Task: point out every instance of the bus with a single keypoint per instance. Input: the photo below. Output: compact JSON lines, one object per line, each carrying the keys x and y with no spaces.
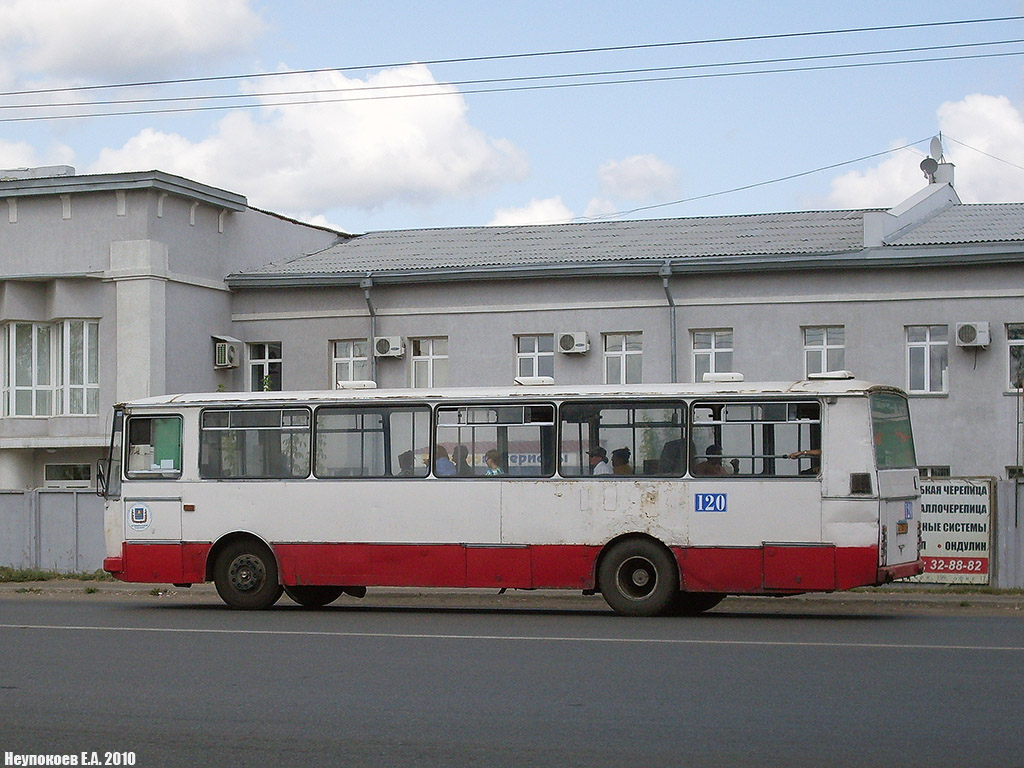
{"x":662,"y":498}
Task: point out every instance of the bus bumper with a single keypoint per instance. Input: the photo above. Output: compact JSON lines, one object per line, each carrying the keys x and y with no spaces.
{"x":887,"y":573}
{"x":114,"y":566}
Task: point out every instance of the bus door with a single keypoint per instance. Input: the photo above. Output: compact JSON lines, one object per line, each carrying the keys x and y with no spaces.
{"x":152,"y":501}
{"x":898,"y":483}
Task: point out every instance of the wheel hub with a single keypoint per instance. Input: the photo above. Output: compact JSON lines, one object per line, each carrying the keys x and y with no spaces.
{"x":247,"y":573}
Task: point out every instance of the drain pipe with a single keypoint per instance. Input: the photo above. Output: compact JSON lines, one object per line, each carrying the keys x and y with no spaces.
{"x":366,"y":284}
{"x":666,"y":272}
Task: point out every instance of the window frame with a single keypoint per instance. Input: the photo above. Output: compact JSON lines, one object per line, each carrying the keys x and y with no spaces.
{"x":930,"y":347}
{"x":349,"y":361}
{"x":622,"y":356}
{"x":713,"y":352}
{"x":552,"y":437}
{"x":413,"y":408}
{"x":536,"y":355}
{"x":61,"y":364}
{"x":430,"y":358}
{"x":264,"y":363}
{"x":1014,"y":345}
{"x":152,"y":474}
{"x":203,"y":429}
{"x":823,"y":348}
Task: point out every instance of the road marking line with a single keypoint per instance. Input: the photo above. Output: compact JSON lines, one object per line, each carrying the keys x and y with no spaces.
{"x":518,"y":638}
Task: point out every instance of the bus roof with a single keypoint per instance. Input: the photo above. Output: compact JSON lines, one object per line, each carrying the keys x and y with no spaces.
{"x":809,"y":388}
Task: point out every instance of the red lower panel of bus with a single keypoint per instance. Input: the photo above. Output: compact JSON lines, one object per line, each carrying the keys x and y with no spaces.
{"x":771,"y":569}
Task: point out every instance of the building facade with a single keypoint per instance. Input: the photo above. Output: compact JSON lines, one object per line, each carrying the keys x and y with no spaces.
{"x":928,"y":295}
{"x":111,"y":288}
{"x":120,"y":286}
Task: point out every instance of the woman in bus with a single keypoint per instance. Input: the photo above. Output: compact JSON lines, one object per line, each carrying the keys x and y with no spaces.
{"x":620,"y":462}
{"x":493,"y":461}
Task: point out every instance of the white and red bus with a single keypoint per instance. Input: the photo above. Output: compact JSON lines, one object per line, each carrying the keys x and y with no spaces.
{"x":663,"y":498}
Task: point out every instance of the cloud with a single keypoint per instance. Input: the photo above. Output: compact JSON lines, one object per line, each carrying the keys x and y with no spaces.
{"x":987,"y":123}
{"x":549,"y":211}
{"x":358,"y":153}
{"x":638,"y":177}
{"x":111,"y":39}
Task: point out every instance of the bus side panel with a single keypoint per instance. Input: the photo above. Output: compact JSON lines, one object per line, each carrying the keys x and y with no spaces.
{"x":382,"y":565}
{"x":164,"y":563}
{"x":721,"y":569}
{"x":564,"y":566}
{"x":856,"y":567}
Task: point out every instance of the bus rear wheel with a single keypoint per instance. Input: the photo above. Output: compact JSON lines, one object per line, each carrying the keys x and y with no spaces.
{"x":638,"y":577}
{"x":313,"y":596}
{"x":246,"y":576}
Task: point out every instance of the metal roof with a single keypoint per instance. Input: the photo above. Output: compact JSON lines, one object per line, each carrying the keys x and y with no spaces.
{"x":769,"y":240}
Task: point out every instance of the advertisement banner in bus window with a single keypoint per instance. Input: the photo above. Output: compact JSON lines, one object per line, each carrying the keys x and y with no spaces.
{"x":956,"y":526}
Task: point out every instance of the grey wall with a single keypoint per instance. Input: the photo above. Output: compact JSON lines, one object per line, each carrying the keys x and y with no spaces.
{"x":52,"y":530}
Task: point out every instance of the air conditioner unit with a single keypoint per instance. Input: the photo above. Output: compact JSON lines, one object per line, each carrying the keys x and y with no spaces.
{"x":573,"y":343}
{"x":972,"y":335}
{"x":227,"y":352}
{"x":388,"y":346}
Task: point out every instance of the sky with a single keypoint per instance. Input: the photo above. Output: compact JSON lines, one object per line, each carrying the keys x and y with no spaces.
{"x":444,"y":114}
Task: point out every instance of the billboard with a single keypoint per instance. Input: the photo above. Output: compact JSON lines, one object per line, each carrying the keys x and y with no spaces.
{"x":956,"y":530}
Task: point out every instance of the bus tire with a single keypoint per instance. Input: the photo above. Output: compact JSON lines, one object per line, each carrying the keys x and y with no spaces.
{"x":693,"y":603}
{"x":312,"y":595}
{"x":246,"y":576}
{"x":638,"y":577}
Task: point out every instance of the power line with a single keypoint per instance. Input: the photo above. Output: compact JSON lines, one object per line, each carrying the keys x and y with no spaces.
{"x":983,"y":152}
{"x":523,"y":88}
{"x":515,"y":56}
{"x":500,"y":80}
{"x":754,"y":185}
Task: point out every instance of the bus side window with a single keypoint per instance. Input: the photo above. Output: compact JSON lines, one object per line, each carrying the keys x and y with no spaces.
{"x":637,"y":439}
{"x":371,"y":441}
{"x":519,"y":440}
{"x":756,"y":438}
{"x":154,"y":447}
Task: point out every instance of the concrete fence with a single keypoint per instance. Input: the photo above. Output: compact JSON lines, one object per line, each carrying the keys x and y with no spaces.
{"x":62,"y":531}
{"x":54,"y":530}
{"x":1008,"y":541}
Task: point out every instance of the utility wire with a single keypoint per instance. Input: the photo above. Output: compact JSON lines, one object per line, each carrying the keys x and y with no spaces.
{"x":755,"y":185}
{"x":517,"y":56}
{"x":982,"y":152}
{"x":500,"y":80}
{"x":439,"y":89}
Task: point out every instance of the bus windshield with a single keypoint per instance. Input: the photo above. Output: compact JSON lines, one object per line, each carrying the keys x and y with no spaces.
{"x":890,"y":423}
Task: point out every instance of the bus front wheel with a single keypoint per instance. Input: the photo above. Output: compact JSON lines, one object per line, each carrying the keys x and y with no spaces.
{"x":313,"y":596}
{"x":638,"y":577}
{"x":246,"y":576}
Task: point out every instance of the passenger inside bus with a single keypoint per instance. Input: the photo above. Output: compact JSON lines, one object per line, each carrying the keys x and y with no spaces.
{"x":493,"y":461}
{"x":712,"y":464}
{"x":406,"y":464}
{"x":443,"y":466}
{"x":459,"y":455}
{"x":599,"y":461}
{"x":620,"y":462}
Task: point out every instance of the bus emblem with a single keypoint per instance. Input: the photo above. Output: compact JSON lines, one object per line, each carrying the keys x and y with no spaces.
{"x":138,"y":517}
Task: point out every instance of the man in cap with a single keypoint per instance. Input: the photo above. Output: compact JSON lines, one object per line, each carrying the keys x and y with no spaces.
{"x":599,"y":461}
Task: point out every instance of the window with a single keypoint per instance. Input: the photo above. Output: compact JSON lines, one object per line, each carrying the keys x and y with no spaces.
{"x":51,"y":369}
{"x":154,"y":447}
{"x":770,"y":438}
{"x":623,"y":439}
{"x":67,"y":476}
{"x":893,"y":439}
{"x":487,"y":440}
{"x":372,"y":441}
{"x":712,"y":352}
{"x":265,"y":367}
{"x":1015,"y":348}
{"x":430,"y":362}
{"x":350,"y":361}
{"x":824,"y":349}
{"x":535,"y":355}
{"x":623,"y":358}
{"x":250,"y":443}
{"x":927,"y":358}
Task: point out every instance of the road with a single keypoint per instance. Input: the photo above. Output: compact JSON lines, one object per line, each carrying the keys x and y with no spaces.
{"x":408,"y":683}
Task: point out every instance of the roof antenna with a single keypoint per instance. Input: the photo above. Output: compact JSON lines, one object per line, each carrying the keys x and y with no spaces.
{"x":931,"y":163}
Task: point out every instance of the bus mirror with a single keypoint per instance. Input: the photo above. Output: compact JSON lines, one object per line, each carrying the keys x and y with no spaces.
{"x":101,"y":479}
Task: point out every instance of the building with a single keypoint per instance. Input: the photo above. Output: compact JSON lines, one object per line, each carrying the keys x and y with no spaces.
{"x":111,"y":288}
{"x":118,"y":286}
{"x":926,"y":295}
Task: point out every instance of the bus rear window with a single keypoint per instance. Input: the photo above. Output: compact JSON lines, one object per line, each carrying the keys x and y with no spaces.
{"x":890,"y":423}
{"x":154,"y":447}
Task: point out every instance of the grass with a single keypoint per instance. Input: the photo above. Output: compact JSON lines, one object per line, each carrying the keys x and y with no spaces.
{"x":18,"y":575}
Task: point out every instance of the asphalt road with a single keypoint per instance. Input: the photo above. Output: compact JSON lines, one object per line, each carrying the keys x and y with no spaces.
{"x":410,"y":682}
